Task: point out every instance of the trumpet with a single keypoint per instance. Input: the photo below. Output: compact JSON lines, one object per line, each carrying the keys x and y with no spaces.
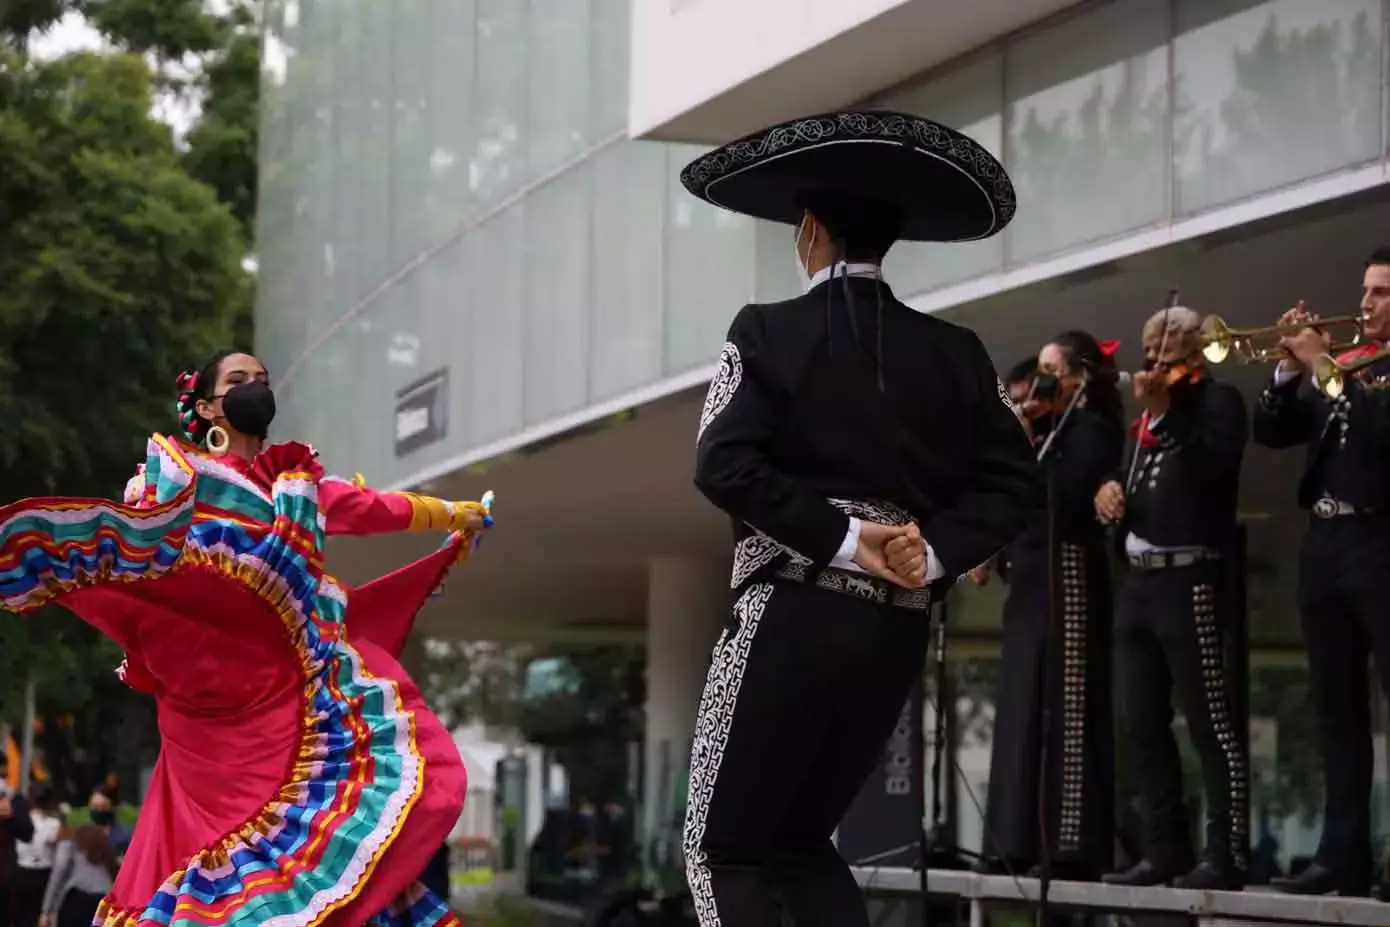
{"x":1330,"y":377}
{"x":1261,"y":345}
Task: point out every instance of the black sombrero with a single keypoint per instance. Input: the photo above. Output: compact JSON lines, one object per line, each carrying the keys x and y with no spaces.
{"x":946,"y":186}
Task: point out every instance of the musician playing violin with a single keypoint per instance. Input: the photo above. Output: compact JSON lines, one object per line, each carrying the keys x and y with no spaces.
{"x":1058,"y":766}
{"x":1175,"y":506}
{"x":1346,"y":555}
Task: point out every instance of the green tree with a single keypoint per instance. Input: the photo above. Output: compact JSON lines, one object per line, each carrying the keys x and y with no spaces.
{"x":587,"y":707}
{"x":116,"y":269}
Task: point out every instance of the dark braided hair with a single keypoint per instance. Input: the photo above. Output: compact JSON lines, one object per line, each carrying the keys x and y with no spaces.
{"x":1083,"y":352}
{"x":195,"y":385}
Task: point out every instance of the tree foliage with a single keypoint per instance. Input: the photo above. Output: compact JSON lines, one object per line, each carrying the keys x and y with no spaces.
{"x":122,"y":260}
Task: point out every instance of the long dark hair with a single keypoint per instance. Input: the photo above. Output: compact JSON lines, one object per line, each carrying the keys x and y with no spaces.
{"x":1083,"y":353}
{"x":195,"y":385}
{"x":95,"y":845}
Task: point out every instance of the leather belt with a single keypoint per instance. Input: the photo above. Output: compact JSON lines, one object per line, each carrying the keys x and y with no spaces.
{"x":1164,"y":559}
{"x":860,"y":586}
{"x":1327,"y":507}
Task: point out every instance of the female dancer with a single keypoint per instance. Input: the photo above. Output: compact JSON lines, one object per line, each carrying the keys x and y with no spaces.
{"x":1059,"y":663}
{"x":301,"y":780}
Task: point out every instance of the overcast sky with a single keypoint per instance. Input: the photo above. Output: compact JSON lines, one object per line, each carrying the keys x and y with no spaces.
{"x":73,"y":34}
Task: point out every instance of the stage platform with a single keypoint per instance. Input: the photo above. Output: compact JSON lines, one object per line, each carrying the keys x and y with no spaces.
{"x":1253,"y":906}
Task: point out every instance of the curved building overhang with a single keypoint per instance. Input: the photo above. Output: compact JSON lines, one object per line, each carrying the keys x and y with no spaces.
{"x":707,"y":71}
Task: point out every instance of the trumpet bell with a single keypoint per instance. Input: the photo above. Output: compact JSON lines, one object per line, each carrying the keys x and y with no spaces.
{"x":1217,"y":339}
{"x":1328,"y":377}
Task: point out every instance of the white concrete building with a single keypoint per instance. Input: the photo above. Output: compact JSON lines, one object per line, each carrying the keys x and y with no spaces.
{"x":479,"y":269}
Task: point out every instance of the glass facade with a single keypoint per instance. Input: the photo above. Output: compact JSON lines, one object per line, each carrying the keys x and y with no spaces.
{"x":447,"y":187}
{"x":448,"y":191}
{"x":1134,"y":114}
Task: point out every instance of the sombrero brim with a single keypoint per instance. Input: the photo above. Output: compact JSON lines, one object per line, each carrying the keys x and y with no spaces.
{"x":946,"y":185}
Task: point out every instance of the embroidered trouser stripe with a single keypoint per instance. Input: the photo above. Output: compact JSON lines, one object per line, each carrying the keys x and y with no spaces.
{"x":804,"y":690}
{"x":712,"y":724}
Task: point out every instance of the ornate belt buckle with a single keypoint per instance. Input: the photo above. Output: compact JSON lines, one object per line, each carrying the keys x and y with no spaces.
{"x":1325,"y":508}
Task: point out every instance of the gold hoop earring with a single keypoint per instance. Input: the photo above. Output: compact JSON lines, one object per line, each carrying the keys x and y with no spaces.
{"x":217,"y":440}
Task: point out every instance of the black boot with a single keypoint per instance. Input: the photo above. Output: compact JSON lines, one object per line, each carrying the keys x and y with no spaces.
{"x":1142,"y":874}
{"x":1319,"y":880}
{"x":1212,"y":875}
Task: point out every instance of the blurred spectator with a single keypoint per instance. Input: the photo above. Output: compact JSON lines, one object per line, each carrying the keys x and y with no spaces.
{"x":614,"y":839}
{"x":103,"y":814}
{"x":34,"y":857}
{"x":16,"y":826}
{"x":83,"y":872}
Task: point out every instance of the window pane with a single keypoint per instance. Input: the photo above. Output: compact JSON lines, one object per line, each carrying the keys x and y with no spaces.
{"x":625,"y":351}
{"x":1088,"y":126}
{"x":608,"y":112}
{"x":495,"y":253}
{"x":558,"y":81}
{"x":452,"y":109}
{"x":968,"y":99}
{"x":377,"y":161}
{"x":410,"y":84}
{"x":558,"y":257}
{"x":709,"y":269}
{"x":499,"y":163}
{"x":1273,"y":93}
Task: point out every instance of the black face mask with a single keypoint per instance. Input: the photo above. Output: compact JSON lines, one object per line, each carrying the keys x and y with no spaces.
{"x":249,"y":408}
{"x":1046,"y":387}
{"x":103,"y":818}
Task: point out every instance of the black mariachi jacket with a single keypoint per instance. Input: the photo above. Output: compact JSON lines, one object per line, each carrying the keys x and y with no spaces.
{"x":803,"y":427}
{"x":1081,"y":458}
{"x":1185,"y":489}
{"x":1351,"y":434}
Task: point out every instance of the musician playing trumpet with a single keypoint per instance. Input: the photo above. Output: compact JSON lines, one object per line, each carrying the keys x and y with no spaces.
{"x":1345,"y":558}
{"x":1175,"y":506}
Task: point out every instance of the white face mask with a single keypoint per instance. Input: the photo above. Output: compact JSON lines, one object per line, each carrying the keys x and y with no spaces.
{"x":801,"y":273}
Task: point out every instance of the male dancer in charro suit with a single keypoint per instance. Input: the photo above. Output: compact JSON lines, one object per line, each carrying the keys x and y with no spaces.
{"x":837,"y":421}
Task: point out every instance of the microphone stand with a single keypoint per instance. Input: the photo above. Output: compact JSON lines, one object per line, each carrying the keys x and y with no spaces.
{"x":938,"y":849}
{"x":1051,"y":666}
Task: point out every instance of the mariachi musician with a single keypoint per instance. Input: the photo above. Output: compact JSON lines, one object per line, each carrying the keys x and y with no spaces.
{"x":1343,"y":564}
{"x":1176,"y":510}
{"x":1052,"y":716}
{"x":1019,"y":383}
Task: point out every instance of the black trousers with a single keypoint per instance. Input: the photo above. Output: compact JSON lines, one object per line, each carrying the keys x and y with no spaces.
{"x":1172,"y":638}
{"x":26,"y":896}
{"x":1341,"y":596}
{"x":1062,"y":668}
{"x":804,"y":690}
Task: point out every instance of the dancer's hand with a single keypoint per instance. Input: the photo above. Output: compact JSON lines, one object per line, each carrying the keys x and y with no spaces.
{"x":905,"y":555}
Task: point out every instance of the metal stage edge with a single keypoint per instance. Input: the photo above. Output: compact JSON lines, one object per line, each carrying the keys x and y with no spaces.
{"x":1259,"y":905}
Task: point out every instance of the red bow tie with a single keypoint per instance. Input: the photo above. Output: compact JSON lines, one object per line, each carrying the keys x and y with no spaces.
{"x":1140,"y":428}
{"x":1358,"y":352}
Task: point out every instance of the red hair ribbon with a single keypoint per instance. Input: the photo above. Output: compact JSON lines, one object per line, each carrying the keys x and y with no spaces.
{"x":1108,"y":348}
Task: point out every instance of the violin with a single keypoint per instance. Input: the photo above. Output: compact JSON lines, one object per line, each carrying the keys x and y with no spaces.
{"x":1180,"y":372}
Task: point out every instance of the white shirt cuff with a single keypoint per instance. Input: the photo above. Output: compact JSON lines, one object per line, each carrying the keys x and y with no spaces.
{"x":1282,"y":376}
{"x":844,"y":557}
{"x":934,"y":568}
{"x":1155,"y":421}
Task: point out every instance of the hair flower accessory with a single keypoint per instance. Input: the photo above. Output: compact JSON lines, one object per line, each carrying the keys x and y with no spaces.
{"x":1108,"y":348}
